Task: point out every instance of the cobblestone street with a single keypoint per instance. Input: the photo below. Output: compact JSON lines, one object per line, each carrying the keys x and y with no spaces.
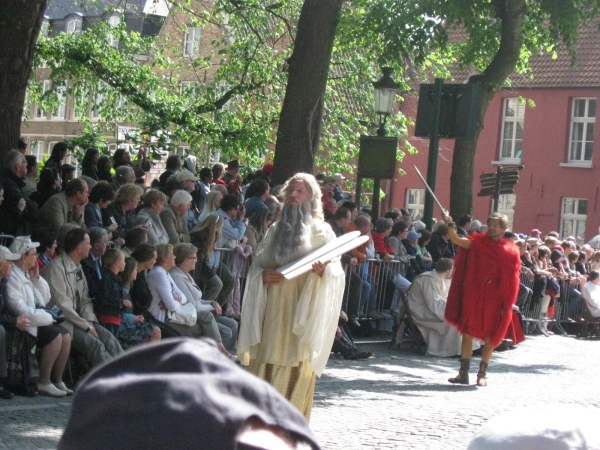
{"x":395,"y":400}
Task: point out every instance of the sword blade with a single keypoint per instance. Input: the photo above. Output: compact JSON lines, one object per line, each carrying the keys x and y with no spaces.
{"x":444,"y":212}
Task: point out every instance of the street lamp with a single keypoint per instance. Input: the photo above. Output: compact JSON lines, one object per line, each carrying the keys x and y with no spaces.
{"x":385,"y":90}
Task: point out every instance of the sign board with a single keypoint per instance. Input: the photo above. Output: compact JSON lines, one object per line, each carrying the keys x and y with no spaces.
{"x":377,"y":157}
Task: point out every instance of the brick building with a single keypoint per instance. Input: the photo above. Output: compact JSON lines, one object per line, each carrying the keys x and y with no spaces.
{"x":555,"y":141}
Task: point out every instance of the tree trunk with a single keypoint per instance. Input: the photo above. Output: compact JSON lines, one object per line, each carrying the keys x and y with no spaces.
{"x":510,"y":13}
{"x":21,"y":24}
{"x":302,"y":113}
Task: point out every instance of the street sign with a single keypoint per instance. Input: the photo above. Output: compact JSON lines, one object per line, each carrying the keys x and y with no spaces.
{"x":499,"y":183}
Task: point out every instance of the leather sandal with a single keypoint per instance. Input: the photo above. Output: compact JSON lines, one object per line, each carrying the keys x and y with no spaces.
{"x":463,"y":373}
{"x":481,"y":375}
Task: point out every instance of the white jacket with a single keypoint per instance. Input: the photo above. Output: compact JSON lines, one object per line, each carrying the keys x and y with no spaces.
{"x":23,"y":293}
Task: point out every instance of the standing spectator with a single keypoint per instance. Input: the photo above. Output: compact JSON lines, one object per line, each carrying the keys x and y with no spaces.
{"x":90,"y":162}
{"x":258,"y":223}
{"x":188,"y":180}
{"x":173,"y":165}
{"x":338,"y":193}
{"x":262,"y":191}
{"x":154,"y":203}
{"x":8,"y":319}
{"x":47,"y":249}
{"x":59,"y":152}
{"x":22,"y":145}
{"x":217,"y":173}
{"x":103,"y":168}
{"x":123,"y":175}
{"x":205,"y":237}
{"x":65,"y":207}
{"x":232,"y":177}
{"x":190,"y":163}
{"x":69,"y":290}
{"x":67,"y":174}
{"x":203,"y":187}
{"x":25,"y":292}
{"x":212,"y":203}
{"x":18,"y":213}
{"x":174,"y":217}
{"x":32,"y":174}
{"x":464,"y":224}
{"x":121,"y":210}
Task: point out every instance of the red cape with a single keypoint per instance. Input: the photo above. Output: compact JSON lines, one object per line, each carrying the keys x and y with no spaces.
{"x":484,"y":288}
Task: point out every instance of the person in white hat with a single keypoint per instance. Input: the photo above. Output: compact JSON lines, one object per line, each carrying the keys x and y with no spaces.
{"x":338,"y":193}
{"x":25,"y":291}
{"x":7,"y":317}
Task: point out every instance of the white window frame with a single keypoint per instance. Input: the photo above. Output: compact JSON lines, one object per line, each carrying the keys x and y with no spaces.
{"x":517,"y":119}
{"x":577,"y":220}
{"x":95,"y":113}
{"x":416,"y":208}
{"x":36,"y":148}
{"x":61,"y":112}
{"x":504,"y":207}
{"x":114,"y":21}
{"x":191,"y":42}
{"x":41,"y":114}
{"x":74,"y":26}
{"x":585,"y":122}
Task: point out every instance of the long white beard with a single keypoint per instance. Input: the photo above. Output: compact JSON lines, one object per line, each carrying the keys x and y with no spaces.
{"x":291,"y":239}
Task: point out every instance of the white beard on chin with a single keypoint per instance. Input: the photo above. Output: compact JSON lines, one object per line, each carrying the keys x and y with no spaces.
{"x":291,"y":238}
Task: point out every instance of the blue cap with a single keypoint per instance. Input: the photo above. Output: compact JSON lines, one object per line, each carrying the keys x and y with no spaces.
{"x":413,"y":236}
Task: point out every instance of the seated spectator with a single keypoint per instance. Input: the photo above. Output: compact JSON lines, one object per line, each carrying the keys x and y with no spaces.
{"x":211,"y":204}
{"x":174,"y":217}
{"x":154,"y":202}
{"x":427,"y":302}
{"x":327,"y":197}
{"x":67,"y":174}
{"x":101,"y":196}
{"x":65,"y":207}
{"x":103,"y":168}
{"x":214,"y":325}
{"x":440,"y":245}
{"x":398,"y":234}
{"x":205,"y":237}
{"x":394,"y":214}
{"x":25,"y":291}
{"x":422,"y":247}
{"x":8,"y":318}
{"x":89,"y":162}
{"x":591,"y":293}
{"x":18,"y":213}
{"x":382,"y":230}
{"x":113,"y":306}
{"x":416,"y":265}
{"x":261,"y":191}
{"x":49,"y":184}
{"x":92,"y":265}
{"x":141,"y":297}
{"x":123,"y":175}
{"x":189,"y":183}
{"x":134,"y":238}
{"x":173,"y":165}
{"x":32,"y":173}
{"x":121,"y":211}
{"x":47,"y":249}
{"x":595,"y":264}
{"x":581,"y":263}
{"x":166,"y":296}
{"x":69,"y":290}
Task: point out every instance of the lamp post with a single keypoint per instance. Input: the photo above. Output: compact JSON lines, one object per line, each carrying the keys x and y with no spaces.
{"x":384,"y":93}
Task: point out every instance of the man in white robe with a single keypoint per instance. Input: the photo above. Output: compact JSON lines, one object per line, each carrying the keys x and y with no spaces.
{"x":288,"y":326}
{"x":427,"y":302}
{"x":591,"y":293}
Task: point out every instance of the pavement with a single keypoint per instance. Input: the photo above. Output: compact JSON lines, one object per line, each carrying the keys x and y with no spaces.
{"x":396,"y":399}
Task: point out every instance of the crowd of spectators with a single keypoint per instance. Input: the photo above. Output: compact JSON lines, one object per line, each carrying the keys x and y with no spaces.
{"x":120,"y":259}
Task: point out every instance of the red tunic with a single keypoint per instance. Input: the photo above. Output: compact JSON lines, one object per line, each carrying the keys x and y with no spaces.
{"x":484,"y":288}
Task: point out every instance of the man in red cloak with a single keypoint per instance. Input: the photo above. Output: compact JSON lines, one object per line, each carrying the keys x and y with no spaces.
{"x":484,"y":288}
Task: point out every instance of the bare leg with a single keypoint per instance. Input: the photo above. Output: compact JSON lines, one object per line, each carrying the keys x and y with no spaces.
{"x":63,"y":357}
{"x":49,"y":355}
{"x":466,"y":347}
{"x":155,"y":335}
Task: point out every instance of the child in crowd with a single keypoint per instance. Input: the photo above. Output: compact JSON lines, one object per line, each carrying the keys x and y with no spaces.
{"x":113,"y":306}
{"x":238,"y":265}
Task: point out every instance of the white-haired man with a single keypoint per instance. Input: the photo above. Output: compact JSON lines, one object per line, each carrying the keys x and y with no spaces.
{"x":174,"y":217}
{"x":288,"y":326}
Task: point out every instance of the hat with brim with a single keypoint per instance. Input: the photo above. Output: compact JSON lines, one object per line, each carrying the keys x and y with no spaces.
{"x":186,"y":175}
{"x":339,"y":175}
{"x":7,"y":255}
{"x":22,"y":244}
{"x":413,"y":236}
{"x":534,"y":242}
